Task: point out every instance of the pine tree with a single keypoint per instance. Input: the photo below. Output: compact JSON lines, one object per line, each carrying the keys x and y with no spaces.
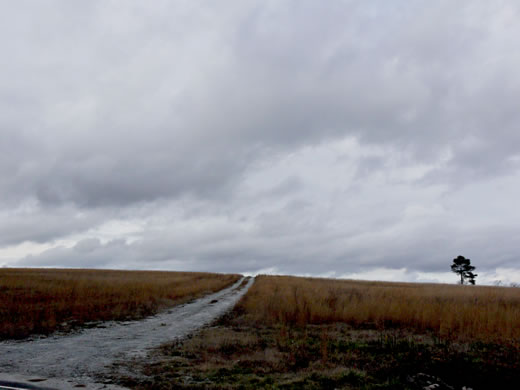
{"x":463,"y":267}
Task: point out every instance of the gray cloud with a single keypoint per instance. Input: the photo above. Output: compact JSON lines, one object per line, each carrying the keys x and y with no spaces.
{"x":276,"y":133}
{"x":44,"y":226}
{"x":137,"y":110}
{"x":302,"y":250}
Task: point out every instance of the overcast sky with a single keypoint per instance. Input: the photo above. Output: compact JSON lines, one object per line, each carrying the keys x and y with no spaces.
{"x":358,"y":139}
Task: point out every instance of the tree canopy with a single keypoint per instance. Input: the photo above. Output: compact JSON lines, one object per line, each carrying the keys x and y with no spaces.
{"x":463,"y":267}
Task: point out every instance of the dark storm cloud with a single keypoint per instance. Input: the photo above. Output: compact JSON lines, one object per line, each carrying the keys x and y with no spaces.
{"x":122,"y":114}
{"x":46,"y":226}
{"x":428,"y":249}
{"x":222,"y":118}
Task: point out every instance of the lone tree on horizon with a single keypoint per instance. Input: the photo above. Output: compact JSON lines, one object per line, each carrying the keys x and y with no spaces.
{"x":463,"y":267}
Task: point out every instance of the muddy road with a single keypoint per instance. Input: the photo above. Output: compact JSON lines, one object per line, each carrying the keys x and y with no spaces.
{"x":86,"y":356}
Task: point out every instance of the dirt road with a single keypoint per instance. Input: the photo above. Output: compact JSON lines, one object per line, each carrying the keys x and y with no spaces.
{"x":81,"y":357}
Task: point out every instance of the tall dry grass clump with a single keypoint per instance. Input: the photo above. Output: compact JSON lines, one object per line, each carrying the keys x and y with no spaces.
{"x":490,"y":314}
{"x":44,"y":300}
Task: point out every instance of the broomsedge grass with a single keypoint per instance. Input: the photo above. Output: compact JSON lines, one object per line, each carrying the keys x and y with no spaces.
{"x":309,"y":333}
{"x":40,"y":301}
{"x":452,"y":312}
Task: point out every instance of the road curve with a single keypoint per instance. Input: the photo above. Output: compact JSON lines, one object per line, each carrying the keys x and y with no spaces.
{"x":83,"y":356}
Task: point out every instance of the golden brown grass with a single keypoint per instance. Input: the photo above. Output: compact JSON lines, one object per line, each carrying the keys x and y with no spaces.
{"x":303,"y":333}
{"x":489,"y":314}
{"x":44,"y":300}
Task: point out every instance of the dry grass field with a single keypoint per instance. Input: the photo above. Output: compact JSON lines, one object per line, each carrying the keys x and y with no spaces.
{"x":454,"y":312}
{"x":40,"y":301}
{"x":304,"y":333}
